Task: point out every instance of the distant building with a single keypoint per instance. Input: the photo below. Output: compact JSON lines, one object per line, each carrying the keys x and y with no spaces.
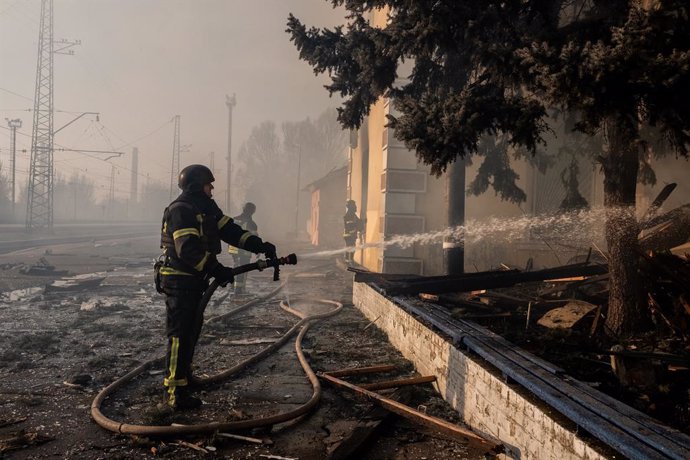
{"x":328,"y":196}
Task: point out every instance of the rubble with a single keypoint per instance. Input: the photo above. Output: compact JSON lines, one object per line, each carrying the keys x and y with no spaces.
{"x":650,"y":371}
{"x":42,"y":268}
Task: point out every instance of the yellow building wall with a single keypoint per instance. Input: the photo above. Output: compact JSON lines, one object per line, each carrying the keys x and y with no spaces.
{"x":374,"y":232}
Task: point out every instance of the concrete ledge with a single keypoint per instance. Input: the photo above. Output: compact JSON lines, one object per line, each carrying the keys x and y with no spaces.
{"x":491,"y":407}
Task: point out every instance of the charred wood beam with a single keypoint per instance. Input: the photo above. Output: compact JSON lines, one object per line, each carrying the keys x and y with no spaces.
{"x":484,"y":280}
{"x":398,"y":383}
{"x":362,"y":370}
{"x":656,"y":204}
{"x":673,"y":267}
{"x":418,"y":417}
{"x":366,"y":428}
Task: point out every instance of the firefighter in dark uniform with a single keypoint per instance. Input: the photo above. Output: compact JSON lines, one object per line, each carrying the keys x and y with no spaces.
{"x":241,"y":256}
{"x":353,"y":227}
{"x":192,"y":229}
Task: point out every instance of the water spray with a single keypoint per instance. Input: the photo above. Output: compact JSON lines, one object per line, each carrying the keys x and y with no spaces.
{"x":583,"y":227}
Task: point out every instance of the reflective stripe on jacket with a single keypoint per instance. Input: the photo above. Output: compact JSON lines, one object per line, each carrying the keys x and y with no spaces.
{"x":353,"y":225}
{"x":191,"y":238}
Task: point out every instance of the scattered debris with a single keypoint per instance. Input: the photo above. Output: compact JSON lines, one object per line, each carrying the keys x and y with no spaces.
{"x":21,"y":439}
{"x":190,"y":445}
{"x":365,"y":428}
{"x":4,"y":423}
{"x":42,"y":268}
{"x":79,"y":380}
{"x":567,"y":316}
{"x":277,"y":457}
{"x":264,"y":441}
{"x":443,"y":426}
{"x":74,"y":284}
{"x":250,"y":341}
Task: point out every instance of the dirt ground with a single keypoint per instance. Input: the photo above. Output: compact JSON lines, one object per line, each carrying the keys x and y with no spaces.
{"x":63,"y":338}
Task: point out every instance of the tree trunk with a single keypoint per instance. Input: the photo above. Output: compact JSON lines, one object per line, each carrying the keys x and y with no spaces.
{"x":620,"y":165}
{"x":453,"y":247}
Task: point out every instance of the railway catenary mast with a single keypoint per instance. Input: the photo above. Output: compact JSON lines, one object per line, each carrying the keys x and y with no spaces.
{"x":175,"y":169}
{"x":230,"y":102}
{"x":39,"y":205}
{"x":13,"y":124}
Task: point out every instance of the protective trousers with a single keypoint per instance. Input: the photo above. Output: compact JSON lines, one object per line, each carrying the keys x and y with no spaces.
{"x":184,"y":319}
{"x":350,"y":242}
{"x":242,"y":258}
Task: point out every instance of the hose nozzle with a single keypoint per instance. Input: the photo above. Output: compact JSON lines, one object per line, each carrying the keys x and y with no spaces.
{"x":290,"y":259}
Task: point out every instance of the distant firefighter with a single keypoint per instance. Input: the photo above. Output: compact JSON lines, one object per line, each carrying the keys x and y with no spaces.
{"x":353,"y":228}
{"x":240,"y":256}
{"x":191,"y":233}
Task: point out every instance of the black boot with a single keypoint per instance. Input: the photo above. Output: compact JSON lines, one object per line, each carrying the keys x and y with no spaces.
{"x":185,"y":401}
{"x":181,"y":399}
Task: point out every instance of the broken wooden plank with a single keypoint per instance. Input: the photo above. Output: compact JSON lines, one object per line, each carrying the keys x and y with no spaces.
{"x":238,"y":437}
{"x":398,"y":383}
{"x":667,"y":231}
{"x":432,"y":422}
{"x":20,"y":440}
{"x":362,"y":370}
{"x":506,"y":314}
{"x":366,"y":428}
{"x":567,"y":316}
{"x":656,"y":204}
{"x":189,"y":445}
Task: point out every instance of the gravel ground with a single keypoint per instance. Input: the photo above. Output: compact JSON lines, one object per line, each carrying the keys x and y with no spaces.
{"x":63,"y":338}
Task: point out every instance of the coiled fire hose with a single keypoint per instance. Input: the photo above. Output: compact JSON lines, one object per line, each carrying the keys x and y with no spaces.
{"x":195,"y":429}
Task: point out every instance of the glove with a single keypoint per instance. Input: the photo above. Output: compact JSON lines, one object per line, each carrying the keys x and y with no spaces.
{"x":223,"y":275}
{"x":269,"y":250}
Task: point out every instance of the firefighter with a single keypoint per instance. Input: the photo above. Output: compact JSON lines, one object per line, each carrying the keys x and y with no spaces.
{"x":353,"y":228}
{"x":192,"y":229}
{"x":240,"y":256}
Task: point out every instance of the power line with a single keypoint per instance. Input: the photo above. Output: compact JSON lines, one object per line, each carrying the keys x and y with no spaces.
{"x":17,"y":94}
{"x":82,"y":152}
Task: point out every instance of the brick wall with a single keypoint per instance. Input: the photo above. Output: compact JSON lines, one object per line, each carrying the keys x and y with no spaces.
{"x":487,"y":404}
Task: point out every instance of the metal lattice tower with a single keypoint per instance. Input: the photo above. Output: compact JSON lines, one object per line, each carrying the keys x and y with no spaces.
{"x":13,"y":124}
{"x":175,"y":170}
{"x":39,"y":205}
{"x":39,"y":211}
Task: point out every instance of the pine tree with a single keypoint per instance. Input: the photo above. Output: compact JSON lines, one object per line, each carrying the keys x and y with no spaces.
{"x":495,"y":67}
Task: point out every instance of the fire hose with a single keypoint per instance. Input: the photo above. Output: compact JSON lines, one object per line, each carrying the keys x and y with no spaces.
{"x":195,"y":429}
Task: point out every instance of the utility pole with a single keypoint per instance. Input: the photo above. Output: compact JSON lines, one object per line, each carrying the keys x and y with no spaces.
{"x":230,"y":102}
{"x":175,"y":170}
{"x":13,"y":124}
{"x":134,"y":181}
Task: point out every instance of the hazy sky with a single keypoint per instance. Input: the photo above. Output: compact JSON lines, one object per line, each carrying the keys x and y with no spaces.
{"x":141,"y":62}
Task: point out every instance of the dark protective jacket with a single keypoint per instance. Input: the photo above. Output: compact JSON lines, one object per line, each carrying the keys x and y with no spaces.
{"x":191,"y":232}
{"x":353,"y":225}
{"x":247,"y":223}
